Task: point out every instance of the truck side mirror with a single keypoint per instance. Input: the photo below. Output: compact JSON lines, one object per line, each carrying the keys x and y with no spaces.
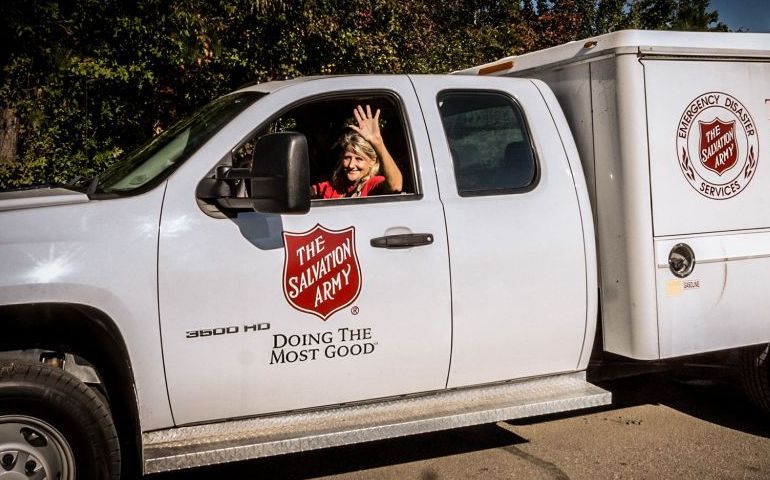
{"x":278,"y":180}
{"x":280,"y":174}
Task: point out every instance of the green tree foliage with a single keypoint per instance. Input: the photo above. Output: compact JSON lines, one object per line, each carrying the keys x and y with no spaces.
{"x":84,"y":81}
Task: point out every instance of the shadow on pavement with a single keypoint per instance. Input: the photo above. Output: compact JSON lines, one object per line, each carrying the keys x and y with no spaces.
{"x":711,"y":393}
{"x":714,"y":397}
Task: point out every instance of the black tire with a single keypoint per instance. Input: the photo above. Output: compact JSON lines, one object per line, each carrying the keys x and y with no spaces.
{"x":50,"y":417}
{"x":755,"y":376}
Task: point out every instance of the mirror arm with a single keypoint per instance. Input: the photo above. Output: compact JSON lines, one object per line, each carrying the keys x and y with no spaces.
{"x":226,"y":172}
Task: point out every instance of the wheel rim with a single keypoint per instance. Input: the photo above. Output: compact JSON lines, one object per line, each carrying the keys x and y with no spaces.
{"x":31,"y":449}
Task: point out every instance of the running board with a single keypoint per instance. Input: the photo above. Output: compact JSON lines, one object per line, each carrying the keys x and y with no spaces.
{"x":234,"y":440}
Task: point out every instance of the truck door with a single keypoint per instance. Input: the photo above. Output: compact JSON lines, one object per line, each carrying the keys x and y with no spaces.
{"x":516,"y":246}
{"x":267,"y":313}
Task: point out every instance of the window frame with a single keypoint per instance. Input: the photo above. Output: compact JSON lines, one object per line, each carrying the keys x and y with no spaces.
{"x":525,"y":128}
{"x":350,"y":95}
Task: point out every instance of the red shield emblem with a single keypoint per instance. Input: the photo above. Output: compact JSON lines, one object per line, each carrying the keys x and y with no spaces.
{"x":718,"y":148}
{"x":321,"y":274}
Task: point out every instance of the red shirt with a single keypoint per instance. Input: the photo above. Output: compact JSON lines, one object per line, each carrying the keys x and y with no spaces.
{"x":325,"y":190}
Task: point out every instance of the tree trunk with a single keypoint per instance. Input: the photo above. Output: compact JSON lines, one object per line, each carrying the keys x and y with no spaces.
{"x":9,"y":136}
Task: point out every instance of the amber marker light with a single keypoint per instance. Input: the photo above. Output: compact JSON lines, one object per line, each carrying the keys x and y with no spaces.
{"x":498,"y":67}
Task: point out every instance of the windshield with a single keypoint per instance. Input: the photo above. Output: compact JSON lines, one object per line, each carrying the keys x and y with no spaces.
{"x":146,"y":166}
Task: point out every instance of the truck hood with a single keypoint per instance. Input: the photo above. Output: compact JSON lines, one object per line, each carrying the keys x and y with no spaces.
{"x":40,"y":197}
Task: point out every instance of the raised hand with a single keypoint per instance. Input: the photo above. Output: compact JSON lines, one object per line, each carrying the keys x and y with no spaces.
{"x":368,"y":125}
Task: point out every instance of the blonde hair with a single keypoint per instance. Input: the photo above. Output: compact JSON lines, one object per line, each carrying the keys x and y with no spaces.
{"x":361,"y":147}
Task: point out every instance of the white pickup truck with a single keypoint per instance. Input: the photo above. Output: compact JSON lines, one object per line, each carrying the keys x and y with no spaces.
{"x":193,"y":306}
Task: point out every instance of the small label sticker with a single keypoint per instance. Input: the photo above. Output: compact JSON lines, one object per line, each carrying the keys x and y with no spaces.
{"x":690,"y":284}
{"x":675,"y":287}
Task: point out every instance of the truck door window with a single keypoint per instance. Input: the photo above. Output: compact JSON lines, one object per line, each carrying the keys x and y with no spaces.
{"x":323,"y":121}
{"x":490,"y":146}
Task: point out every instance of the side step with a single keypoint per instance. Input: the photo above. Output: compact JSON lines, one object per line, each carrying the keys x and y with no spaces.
{"x":198,"y":445}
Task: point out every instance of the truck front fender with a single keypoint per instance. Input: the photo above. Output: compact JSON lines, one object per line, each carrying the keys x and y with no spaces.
{"x":88,"y":333}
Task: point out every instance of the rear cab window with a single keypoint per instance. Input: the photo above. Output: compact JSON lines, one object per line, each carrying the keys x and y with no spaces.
{"x":490,"y":145}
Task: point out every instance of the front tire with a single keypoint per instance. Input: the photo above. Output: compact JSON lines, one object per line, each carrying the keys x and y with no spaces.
{"x":53,"y":426}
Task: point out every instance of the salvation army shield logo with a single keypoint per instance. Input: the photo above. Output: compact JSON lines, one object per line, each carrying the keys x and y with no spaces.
{"x":717,"y":145}
{"x":321,"y":274}
{"x":719,"y":150}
